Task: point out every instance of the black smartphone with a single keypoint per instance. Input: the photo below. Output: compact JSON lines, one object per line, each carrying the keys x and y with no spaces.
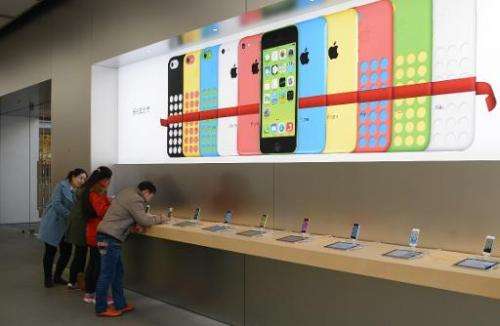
{"x":175,"y":91}
{"x":355,"y":231}
{"x":278,"y":110}
{"x":197,"y":213}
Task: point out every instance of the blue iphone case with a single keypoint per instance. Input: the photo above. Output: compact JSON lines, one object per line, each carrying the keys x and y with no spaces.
{"x":209,"y":99}
{"x":311,"y":132}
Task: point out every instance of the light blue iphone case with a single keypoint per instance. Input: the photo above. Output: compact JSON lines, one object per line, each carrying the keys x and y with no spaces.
{"x":311,"y":130}
{"x":208,"y":99}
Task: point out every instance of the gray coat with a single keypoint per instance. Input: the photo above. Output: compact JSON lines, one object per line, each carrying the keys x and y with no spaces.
{"x":127,"y":209}
{"x":55,"y":218}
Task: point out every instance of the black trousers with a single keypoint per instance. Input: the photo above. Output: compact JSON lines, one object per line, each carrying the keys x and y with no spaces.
{"x":93,"y":270}
{"x":78,"y":263}
{"x":62,"y":262}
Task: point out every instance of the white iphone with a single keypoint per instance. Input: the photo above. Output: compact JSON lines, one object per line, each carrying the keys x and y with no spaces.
{"x":413,"y":238}
{"x":488,"y":245}
{"x":454,"y":57}
{"x":228,"y":97}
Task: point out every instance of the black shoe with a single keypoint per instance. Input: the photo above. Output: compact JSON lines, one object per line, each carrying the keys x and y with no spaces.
{"x":48,"y":284}
{"x":60,"y":281}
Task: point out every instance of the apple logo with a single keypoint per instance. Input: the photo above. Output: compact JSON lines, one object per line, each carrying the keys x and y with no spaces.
{"x":333,"y":51}
{"x":304,"y":57}
{"x":255,"y":67}
{"x":234,"y":72}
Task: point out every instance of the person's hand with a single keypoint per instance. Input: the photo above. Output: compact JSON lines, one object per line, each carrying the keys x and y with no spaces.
{"x":137,"y":229}
{"x":164,"y":219}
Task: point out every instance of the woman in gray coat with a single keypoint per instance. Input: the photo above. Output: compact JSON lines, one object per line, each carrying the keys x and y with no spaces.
{"x":55,"y":223}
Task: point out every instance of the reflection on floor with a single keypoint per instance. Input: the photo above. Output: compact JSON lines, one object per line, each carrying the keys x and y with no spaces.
{"x":24,"y":301}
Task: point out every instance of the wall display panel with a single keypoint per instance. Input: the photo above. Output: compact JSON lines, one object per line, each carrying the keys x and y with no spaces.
{"x":398,"y":86}
{"x":454,"y":57}
{"x":311,"y":133}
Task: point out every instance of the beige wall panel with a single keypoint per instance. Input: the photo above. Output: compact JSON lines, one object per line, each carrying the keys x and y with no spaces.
{"x":25,"y":56}
{"x":246,"y":189}
{"x":453,"y":204}
{"x":71,"y":41}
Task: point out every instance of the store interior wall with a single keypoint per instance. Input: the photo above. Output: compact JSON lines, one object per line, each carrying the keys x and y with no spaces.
{"x":455,"y":204}
{"x":19,"y":152}
{"x":18,"y":169}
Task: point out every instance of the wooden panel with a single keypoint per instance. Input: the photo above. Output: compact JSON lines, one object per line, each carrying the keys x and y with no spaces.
{"x":435,"y":269}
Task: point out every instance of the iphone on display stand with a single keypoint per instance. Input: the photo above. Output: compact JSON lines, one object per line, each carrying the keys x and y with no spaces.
{"x":355,"y":232}
{"x":191,"y":103}
{"x":413,"y":238}
{"x":488,"y":245}
{"x":175,"y":93}
{"x":454,"y":55}
{"x":197,"y":215}
{"x":263,"y":221}
{"x":405,"y":253}
{"x":375,"y":72}
{"x":482,"y":263}
{"x":227,"y":129}
{"x":304,"y":229}
{"x":228,"y":217}
{"x":249,"y":70}
{"x":278,"y":111}
{"x":348,"y":245}
{"x":411,"y":117}
{"x":341,"y":120}
{"x":208,"y":99}
{"x":311,"y":122}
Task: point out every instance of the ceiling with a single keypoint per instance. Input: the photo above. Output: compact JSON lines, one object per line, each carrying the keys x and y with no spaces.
{"x":11,"y":9}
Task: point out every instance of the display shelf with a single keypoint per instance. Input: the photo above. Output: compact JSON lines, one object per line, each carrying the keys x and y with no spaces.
{"x":434,"y":269}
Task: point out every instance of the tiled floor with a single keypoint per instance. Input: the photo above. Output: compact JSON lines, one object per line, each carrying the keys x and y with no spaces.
{"x":24,"y":300}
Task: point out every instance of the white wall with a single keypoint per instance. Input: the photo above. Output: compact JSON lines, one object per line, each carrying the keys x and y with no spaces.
{"x":104,"y":112}
{"x":18,"y":169}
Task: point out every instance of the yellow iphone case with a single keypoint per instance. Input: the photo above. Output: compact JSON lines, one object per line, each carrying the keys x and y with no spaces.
{"x":341,"y":122}
{"x":191,"y":103}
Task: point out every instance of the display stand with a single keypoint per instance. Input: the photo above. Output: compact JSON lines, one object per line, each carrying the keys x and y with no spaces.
{"x":186,"y":223}
{"x":216,"y":228}
{"x":404,"y":254}
{"x":293,"y":238}
{"x":344,"y":245}
{"x":252,"y":233}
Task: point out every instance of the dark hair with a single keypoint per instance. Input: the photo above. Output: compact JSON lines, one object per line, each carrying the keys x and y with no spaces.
{"x":74,"y":173}
{"x":147,"y":185}
{"x":101,"y":173}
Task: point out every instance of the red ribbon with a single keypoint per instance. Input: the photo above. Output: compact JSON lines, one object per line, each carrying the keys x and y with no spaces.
{"x":452,"y":86}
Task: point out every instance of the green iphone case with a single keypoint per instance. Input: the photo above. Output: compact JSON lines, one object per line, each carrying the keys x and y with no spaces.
{"x":412,"y":65}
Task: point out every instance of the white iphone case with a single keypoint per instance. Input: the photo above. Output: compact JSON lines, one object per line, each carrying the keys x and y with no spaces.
{"x":454,"y":52}
{"x":228,"y":97}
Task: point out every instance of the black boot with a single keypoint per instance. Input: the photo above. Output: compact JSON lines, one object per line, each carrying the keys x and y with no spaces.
{"x":59,"y":280}
{"x":49,"y":283}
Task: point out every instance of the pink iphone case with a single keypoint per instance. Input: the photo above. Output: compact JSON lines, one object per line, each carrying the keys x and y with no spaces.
{"x":249,"y":66}
{"x":375,"y":71}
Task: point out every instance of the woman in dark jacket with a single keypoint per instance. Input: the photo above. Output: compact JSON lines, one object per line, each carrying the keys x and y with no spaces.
{"x":54,"y":224}
{"x":77,"y":227}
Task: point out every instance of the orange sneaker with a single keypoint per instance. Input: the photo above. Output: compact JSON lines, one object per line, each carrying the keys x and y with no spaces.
{"x":110,"y":312}
{"x":127,"y":308}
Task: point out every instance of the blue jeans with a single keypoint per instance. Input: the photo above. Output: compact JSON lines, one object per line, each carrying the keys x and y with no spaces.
{"x":111,"y":273}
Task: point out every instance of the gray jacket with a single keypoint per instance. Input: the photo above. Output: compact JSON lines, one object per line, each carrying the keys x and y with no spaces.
{"x":127,"y":209}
